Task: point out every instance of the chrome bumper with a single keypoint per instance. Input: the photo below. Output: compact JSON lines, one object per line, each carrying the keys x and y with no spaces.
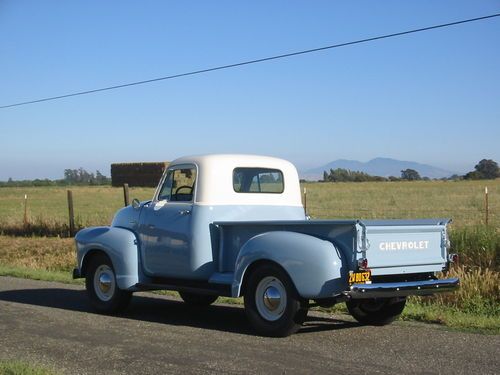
{"x":402,"y":289}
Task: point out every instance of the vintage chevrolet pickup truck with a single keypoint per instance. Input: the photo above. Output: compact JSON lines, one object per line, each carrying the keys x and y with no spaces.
{"x":234,"y":225}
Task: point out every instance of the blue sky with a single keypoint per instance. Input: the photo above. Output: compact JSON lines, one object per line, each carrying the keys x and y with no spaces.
{"x":431,"y":97}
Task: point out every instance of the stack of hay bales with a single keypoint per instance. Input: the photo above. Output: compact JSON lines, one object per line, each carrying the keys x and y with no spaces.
{"x":137,"y":174}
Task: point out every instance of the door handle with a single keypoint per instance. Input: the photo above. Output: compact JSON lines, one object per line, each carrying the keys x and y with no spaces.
{"x":184,"y":212}
{"x":151,"y":226}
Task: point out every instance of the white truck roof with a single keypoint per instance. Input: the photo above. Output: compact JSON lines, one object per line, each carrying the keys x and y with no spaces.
{"x":214,"y":184}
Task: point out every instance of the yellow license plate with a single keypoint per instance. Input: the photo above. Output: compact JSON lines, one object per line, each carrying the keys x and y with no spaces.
{"x":360,"y":277}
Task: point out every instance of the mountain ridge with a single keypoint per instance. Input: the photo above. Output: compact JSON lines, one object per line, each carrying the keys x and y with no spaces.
{"x":379,"y":166}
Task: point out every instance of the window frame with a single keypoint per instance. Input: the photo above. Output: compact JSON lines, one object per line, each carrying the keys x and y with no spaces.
{"x":164,"y":177}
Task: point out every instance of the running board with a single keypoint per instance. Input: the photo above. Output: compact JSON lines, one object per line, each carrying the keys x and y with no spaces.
{"x":190,"y":286}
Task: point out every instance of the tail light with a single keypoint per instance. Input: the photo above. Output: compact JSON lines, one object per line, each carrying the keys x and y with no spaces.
{"x":363,"y":263}
{"x":453,"y":258}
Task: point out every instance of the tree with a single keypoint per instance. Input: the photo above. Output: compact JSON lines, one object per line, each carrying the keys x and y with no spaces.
{"x":486,"y":169}
{"x":410,"y":175}
{"x":100,"y":178}
{"x":346,"y":175}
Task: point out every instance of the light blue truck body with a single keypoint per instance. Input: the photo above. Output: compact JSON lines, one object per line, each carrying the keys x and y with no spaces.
{"x":209,"y":243}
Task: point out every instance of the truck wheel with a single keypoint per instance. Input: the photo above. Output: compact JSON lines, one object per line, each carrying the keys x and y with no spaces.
{"x":102,"y":289}
{"x":376,"y":312}
{"x":272,"y":304}
{"x":199,"y":300}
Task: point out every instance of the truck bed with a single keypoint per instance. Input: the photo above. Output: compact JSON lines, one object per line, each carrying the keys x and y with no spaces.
{"x":391,"y":246}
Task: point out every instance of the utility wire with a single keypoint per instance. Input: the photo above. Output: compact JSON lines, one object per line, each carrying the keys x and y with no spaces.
{"x":276,"y":57}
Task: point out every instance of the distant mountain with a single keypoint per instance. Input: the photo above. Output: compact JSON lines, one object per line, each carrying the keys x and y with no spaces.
{"x":384,"y":167}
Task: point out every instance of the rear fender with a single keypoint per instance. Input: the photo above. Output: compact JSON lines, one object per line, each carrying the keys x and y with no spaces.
{"x":314,"y":265}
{"x":119,"y":244}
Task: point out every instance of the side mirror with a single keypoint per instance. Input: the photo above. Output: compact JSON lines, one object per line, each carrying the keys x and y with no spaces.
{"x":136,"y":204}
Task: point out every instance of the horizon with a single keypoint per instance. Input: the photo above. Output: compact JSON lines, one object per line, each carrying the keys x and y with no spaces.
{"x":303,"y":173}
{"x":429,"y":98}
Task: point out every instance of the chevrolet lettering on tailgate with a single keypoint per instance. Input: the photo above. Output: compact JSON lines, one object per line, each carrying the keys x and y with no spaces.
{"x":403,"y":245}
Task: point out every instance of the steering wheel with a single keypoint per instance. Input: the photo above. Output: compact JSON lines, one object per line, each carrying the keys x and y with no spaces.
{"x":184,"y":187}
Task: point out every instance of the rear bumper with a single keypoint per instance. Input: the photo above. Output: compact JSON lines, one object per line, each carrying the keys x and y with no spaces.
{"x":402,"y":289}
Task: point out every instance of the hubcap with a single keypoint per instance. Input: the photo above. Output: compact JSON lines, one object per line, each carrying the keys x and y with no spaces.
{"x":104,"y":282}
{"x":270,"y":298}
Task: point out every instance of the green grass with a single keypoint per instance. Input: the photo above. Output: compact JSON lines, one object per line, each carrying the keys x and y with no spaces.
{"x":37,"y":274}
{"x":16,"y":367}
{"x":451,"y":317}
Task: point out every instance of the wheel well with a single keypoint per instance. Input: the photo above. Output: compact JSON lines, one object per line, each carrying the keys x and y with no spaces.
{"x":86,"y":259}
{"x":252,"y":267}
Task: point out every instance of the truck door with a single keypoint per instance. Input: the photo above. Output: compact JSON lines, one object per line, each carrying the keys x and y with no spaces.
{"x":165,"y":225}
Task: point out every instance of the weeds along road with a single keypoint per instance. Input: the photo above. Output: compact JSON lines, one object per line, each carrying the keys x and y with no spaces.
{"x":51,"y":324}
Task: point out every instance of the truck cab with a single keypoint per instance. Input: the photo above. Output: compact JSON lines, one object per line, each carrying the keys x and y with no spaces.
{"x":175,"y":228}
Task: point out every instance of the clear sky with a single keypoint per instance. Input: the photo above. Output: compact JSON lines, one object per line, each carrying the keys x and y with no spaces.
{"x":431,"y":97}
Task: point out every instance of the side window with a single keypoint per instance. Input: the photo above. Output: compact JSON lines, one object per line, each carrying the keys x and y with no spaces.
{"x":178,"y":185}
{"x":258,"y":180}
{"x":166,"y":188}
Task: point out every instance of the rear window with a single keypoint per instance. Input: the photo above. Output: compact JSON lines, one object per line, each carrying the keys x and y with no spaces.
{"x":258,"y":180}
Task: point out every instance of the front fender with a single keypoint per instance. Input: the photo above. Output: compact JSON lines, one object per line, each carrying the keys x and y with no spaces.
{"x":119,"y":244}
{"x":314,"y":265}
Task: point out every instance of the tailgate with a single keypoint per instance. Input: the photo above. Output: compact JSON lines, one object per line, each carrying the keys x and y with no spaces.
{"x":396,"y":247}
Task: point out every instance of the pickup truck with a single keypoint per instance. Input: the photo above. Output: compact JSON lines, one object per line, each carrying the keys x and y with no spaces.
{"x":234,"y":225}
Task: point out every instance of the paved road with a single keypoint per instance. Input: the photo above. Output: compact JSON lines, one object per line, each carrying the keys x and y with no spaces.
{"x":51,"y":324}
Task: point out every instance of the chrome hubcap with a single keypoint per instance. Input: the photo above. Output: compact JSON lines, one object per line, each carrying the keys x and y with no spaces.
{"x":104,"y":282}
{"x":270,"y":298}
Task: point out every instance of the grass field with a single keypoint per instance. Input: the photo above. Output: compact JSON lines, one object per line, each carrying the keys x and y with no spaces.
{"x":477,"y":304}
{"x":461,"y":200}
{"x":93,"y":205}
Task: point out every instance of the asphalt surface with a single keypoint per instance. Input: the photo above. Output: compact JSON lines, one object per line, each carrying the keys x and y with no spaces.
{"x":51,"y":324}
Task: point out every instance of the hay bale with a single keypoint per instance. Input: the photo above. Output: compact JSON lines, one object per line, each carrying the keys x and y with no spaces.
{"x":137,"y":174}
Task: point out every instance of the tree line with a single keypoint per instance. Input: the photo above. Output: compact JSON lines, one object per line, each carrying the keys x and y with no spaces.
{"x":71,"y":177}
{"x":484,"y":170}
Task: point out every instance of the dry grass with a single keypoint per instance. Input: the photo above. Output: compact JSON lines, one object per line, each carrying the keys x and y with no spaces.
{"x":42,"y":253}
{"x":479,"y":291}
{"x":48,"y":209}
{"x":463,"y":201}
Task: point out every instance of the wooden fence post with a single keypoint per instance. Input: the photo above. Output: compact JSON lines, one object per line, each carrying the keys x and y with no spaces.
{"x":71,"y":214}
{"x":126,"y":196}
{"x":25,"y":219}
{"x":486,"y":205}
{"x":305,"y":201}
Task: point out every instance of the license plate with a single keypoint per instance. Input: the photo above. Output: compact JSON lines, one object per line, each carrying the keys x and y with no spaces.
{"x":363,"y":277}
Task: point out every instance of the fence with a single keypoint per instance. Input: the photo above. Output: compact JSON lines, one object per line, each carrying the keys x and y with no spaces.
{"x":96,"y":206}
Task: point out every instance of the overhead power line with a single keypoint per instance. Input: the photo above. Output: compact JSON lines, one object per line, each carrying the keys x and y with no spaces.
{"x":276,"y":57}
